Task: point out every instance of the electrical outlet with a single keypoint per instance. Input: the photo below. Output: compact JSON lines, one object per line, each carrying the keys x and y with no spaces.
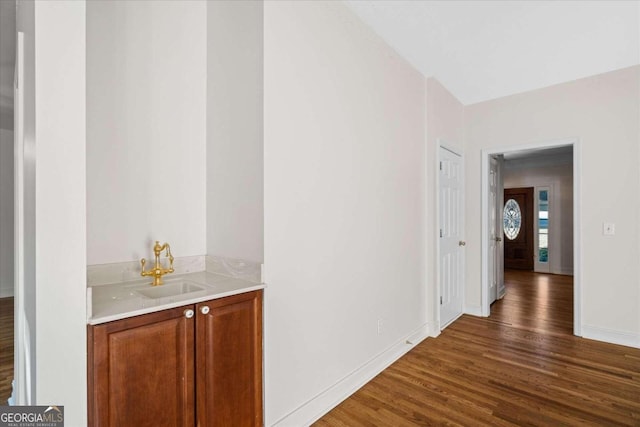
{"x":380,"y":325}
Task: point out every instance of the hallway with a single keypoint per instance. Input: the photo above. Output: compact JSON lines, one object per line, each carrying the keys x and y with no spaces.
{"x":536,"y":302}
{"x":520,"y":366}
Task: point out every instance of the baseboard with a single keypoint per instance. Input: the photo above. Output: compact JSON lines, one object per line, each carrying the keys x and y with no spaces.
{"x":473,"y":310}
{"x":566,"y":271}
{"x":417,"y":336}
{"x":611,"y":336}
{"x":433,"y":329}
{"x":314,"y":409}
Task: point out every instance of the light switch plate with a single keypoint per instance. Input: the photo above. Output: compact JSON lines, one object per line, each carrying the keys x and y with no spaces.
{"x":608,"y":228}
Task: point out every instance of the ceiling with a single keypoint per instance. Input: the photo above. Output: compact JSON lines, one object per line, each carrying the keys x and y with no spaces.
{"x":563,"y":151}
{"x":539,"y":157}
{"x":481,"y":50}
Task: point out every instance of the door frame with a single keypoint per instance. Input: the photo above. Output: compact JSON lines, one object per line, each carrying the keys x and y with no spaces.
{"x":449,"y":147}
{"x":577,"y":215}
{"x":21,"y":354}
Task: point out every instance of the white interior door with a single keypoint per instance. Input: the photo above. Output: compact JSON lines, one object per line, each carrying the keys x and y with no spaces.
{"x":499,"y":262}
{"x":496,"y":248}
{"x":451,"y":248}
{"x":495,"y":233}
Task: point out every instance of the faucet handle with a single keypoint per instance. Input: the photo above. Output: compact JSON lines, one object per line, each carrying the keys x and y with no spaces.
{"x":142,"y":263}
{"x":170,"y":255}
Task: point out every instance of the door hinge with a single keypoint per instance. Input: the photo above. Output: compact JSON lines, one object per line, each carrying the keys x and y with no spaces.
{"x":441,"y":300}
{"x":440,"y":165}
{"x":441,"y":232}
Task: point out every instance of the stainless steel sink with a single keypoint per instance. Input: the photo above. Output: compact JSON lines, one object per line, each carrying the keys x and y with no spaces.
{"x":169,"y":289}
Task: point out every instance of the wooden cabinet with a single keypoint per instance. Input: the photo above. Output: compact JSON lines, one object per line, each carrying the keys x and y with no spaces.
{"x":196,"y":365}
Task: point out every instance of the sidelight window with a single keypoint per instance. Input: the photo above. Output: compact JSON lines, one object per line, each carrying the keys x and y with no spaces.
{"x":543,"y":226}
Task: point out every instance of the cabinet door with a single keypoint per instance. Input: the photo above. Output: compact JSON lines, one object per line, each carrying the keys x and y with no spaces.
{"x":229,"y":361}
{"x":141,"y":371}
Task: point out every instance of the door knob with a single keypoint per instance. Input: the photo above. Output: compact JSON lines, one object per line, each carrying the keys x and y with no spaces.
{"x":498,"y":239}
{"x":188,"y":313}
{"x":204,"y":310}
{"x":462,"y":243}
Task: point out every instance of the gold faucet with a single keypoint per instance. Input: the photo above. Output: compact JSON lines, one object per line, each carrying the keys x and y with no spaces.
{"x":157,"y":271}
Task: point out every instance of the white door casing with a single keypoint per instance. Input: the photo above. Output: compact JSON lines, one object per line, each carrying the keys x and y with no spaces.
{"x":451,"y":236}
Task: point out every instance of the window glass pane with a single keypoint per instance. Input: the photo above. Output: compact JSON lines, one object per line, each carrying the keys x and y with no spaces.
{"x":543,"y":226}
{"x":544,"y":194}
{"x":511,"y":219}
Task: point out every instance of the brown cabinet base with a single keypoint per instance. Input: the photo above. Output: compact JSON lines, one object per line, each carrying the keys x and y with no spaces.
{"x":169,"y":369}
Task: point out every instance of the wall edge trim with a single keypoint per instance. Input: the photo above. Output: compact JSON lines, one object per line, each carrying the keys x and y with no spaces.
{"x":611,"y":336}
{"x":315,"y":408}
{"x":474,"y":311}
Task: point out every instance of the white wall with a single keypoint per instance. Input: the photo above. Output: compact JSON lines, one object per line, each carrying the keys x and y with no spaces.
{"x":6,"y":213}
{"x":445,"y":125}
{"x":60,"y":200}
{"x":603,"y":112}
{"x":560,"y":178}
{"x":146,"y":127}
{"x":344,"y":201}
{"x":234,"y":130}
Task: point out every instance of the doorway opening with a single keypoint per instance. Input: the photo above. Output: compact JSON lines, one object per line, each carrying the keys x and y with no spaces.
{"x":551,"y":172}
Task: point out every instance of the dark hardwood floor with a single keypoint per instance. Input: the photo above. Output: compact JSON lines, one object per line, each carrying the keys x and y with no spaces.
{"x":521,"y":366}
{"x":536,"y":302}
{"x":6,"y":348}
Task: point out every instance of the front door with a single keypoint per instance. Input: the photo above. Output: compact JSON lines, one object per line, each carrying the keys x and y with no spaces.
{"x":451,"y":237}
{"x":518,"y":228}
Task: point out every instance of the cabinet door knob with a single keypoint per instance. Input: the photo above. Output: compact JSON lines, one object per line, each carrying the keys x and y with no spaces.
{"x":188,"y":313}
{"x":462,"y":243}
{"x":204,"y":310}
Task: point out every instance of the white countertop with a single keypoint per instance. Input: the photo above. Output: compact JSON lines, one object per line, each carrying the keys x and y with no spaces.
{"x":115,"y":301}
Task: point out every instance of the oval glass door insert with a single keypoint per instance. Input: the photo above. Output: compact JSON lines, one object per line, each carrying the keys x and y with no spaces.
{"x":512,"y":219}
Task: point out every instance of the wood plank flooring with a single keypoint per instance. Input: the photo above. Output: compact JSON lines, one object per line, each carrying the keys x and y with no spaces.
{"x":6,"y":348}
{"x":536,"y":302}
{"x":521,"y":366}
